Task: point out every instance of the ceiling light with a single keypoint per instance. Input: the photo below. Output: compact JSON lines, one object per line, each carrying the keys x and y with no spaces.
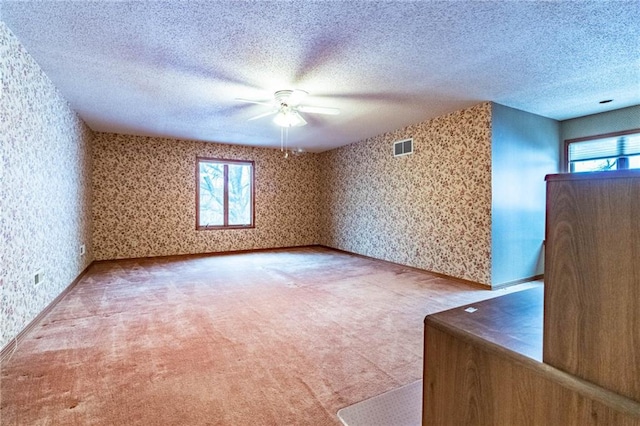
{"x":288,"y":118}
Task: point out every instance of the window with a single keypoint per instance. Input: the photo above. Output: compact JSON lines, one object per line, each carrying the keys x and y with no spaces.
{"x":614,"y":151}
{"x":224,"y":194}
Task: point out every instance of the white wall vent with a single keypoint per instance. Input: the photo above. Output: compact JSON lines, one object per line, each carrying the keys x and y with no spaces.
{"x":38,"y":277}
{"x":403,"y":147}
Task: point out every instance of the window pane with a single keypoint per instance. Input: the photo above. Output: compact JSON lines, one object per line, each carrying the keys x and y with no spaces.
{"x":615,"y":146}
{"x":634,"y":162}
{"x":605,"y":153}
{"x":594,"y":165}
{"x":239,"y":194}
{"x":595,"y":149}
{"x":211,"y":194}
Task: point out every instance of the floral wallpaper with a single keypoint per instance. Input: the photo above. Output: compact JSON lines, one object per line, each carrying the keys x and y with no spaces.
{"x":144,"y":198}
{"x":430,"y":210}
{"x":133,"y":196}
{"x":45,"y":194}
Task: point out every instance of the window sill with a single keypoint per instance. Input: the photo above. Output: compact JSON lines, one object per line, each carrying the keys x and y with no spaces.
{"x":215,"y":228}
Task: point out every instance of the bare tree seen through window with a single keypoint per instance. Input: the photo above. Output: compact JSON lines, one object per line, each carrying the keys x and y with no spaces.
{"x":224,"y":193}
{"x":239,"y":194}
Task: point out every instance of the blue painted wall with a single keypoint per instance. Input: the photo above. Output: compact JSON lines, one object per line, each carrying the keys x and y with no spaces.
{"x":524,"y":150}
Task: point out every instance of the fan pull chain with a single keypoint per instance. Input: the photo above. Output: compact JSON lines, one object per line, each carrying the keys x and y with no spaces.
{"x":284,"y":141}
{"x":281,"y":139}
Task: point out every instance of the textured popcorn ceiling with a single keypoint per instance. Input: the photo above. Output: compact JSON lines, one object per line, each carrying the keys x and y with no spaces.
{"x":174,"y":68}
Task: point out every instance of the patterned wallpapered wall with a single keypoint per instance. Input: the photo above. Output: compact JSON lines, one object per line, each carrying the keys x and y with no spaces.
{"x":430,"y":210}
{"x":45,"y":193}
{"x":144,"y":198}
{"x":131,"y":196}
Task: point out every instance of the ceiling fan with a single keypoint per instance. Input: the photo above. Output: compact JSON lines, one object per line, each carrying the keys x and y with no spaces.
{"x":287,"y":106}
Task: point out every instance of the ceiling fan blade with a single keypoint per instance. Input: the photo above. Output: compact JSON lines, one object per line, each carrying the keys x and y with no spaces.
{"x":266,"y":114}
{"x":254,"y":102}
{"x":318,"y":110}
{"x":302,"y":121}
{"x":296,"y":97}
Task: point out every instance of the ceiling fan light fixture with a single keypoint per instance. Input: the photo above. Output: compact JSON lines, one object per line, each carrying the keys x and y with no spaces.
{"x":287,"y":108}
{"x":289,"y":118}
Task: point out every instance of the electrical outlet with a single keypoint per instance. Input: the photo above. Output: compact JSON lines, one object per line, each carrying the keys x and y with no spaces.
{"x":83,"y":250}
{"x":38,"y":277}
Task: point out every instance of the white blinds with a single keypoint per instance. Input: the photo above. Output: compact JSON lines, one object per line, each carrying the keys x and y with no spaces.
{"x":617,"y":146}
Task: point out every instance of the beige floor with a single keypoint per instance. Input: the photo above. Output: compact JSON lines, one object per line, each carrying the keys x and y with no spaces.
{"x":265,"y":338}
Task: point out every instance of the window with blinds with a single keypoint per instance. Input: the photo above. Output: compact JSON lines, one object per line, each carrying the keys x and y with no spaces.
{"x":615,"y":151}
